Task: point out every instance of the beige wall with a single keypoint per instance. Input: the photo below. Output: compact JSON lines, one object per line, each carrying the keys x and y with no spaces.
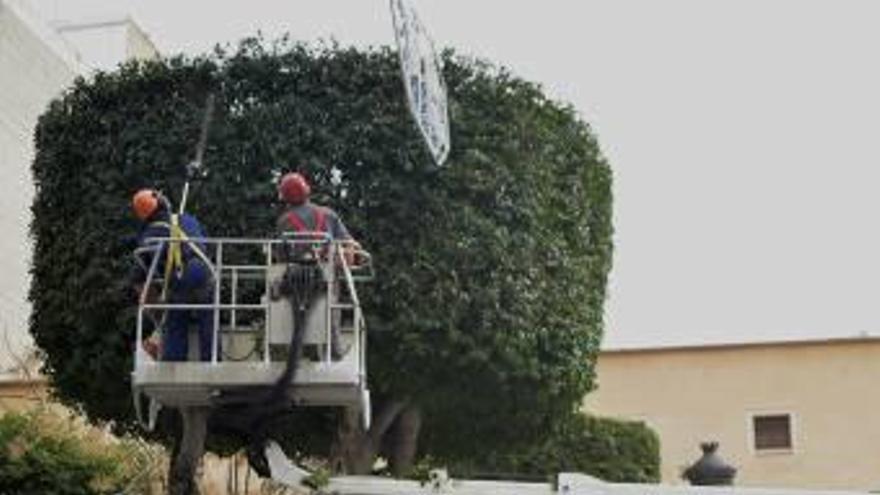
{"x":698,"y":394}
{"x":22,"y":395}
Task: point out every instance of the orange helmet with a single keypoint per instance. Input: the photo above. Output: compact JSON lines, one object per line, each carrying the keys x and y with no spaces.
{"x":145,"y":202}
{"x":294,"y":188}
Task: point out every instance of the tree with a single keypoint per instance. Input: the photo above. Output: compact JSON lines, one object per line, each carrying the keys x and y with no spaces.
{"x":485,"y":318}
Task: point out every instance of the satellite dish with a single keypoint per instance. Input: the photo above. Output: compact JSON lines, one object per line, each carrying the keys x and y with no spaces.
{"x":422,"y":72}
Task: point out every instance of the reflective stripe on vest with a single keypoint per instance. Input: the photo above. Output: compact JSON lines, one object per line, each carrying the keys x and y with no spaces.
{"x":300,"y":226}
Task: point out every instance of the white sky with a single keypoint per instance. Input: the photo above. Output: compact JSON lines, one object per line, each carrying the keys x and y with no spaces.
{"x":741,"y":133}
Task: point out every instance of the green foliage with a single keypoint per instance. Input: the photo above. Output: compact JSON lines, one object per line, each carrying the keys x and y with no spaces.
{"x":609,"y":449}
{"x":318,"y":479}
{"x":42,"y":453}
{"x":421,"y":470}
{"x":487,"y":308}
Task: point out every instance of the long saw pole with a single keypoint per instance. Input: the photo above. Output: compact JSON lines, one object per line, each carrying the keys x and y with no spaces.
{"x":195,"y":166}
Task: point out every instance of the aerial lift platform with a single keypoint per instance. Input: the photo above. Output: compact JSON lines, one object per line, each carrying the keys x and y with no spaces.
{"x":253,"y":328}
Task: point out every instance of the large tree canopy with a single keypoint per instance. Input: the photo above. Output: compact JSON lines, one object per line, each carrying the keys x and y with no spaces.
{"x":487,"y":309}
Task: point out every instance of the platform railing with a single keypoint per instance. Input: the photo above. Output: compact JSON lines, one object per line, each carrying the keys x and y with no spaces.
{"x":333,"y":258}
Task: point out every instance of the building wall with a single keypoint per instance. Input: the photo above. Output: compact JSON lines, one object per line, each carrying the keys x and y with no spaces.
{"x":22,"y":395}
{"x":104,"y":44}
{"x":101,"y":45}
{"x":693,"y":395}
{"x":33,"y":69}
{"x":138,"y":45}
{"x":39,"y":57}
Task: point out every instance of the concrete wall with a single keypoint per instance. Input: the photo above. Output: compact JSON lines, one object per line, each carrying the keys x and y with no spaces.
{"x":33,"y":69}
{"x":138,"y":45}
{"x":101,"y":45}
{"x":698,"y":394}
{"x":104,"y":44}
{"x":39,"y":57}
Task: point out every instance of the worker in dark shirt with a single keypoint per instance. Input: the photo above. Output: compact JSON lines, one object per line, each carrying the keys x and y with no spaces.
{"x":307,"y":221}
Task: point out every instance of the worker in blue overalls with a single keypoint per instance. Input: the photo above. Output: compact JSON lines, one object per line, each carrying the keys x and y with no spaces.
{"x":187,"y":273}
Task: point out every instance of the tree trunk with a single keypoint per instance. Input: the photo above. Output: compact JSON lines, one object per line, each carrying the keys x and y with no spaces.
{"x":404,"y":441}
{"x":188,"y":451}
{"x":355,"y":450}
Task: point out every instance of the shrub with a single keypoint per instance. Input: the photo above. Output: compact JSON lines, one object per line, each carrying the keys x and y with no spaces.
{"x":44,"y":452}
{"x":609,"y":449}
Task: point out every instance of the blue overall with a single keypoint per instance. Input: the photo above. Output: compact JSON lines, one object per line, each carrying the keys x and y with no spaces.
{"x":191,"y":285}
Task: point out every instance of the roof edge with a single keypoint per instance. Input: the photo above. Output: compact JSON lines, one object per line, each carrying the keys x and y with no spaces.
{"x":856,"y":339}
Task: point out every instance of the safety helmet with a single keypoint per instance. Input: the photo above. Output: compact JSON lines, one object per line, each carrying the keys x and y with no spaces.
{"x":145,"y":203}
{"x":294,"y":188}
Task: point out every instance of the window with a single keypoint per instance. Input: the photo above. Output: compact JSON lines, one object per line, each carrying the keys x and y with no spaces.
{"x":772,"y":432}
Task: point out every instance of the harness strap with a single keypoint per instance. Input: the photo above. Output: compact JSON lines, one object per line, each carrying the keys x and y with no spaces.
{"x":320,"y":219}
{"x":296,"y":222}
{"x":174,"y":255}
{"x":299,"y":225}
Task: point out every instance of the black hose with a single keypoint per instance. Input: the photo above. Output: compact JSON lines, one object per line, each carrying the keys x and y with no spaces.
{"x":247,"y":414}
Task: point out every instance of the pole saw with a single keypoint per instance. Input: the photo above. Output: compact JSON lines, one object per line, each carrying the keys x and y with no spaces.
{"x":194,"y":168}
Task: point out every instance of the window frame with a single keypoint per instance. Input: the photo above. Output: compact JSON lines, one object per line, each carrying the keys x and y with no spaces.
{"x":752,"y":416}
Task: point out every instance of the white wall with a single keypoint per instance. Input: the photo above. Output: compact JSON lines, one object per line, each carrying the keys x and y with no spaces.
{"x":103,"y":44}
{"x":34,"y":66}
{"x":43,"y":47}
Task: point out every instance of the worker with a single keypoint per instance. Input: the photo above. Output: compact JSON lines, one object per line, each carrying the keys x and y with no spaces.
{"x":303,"y":217}
{"x":184,"y":268}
